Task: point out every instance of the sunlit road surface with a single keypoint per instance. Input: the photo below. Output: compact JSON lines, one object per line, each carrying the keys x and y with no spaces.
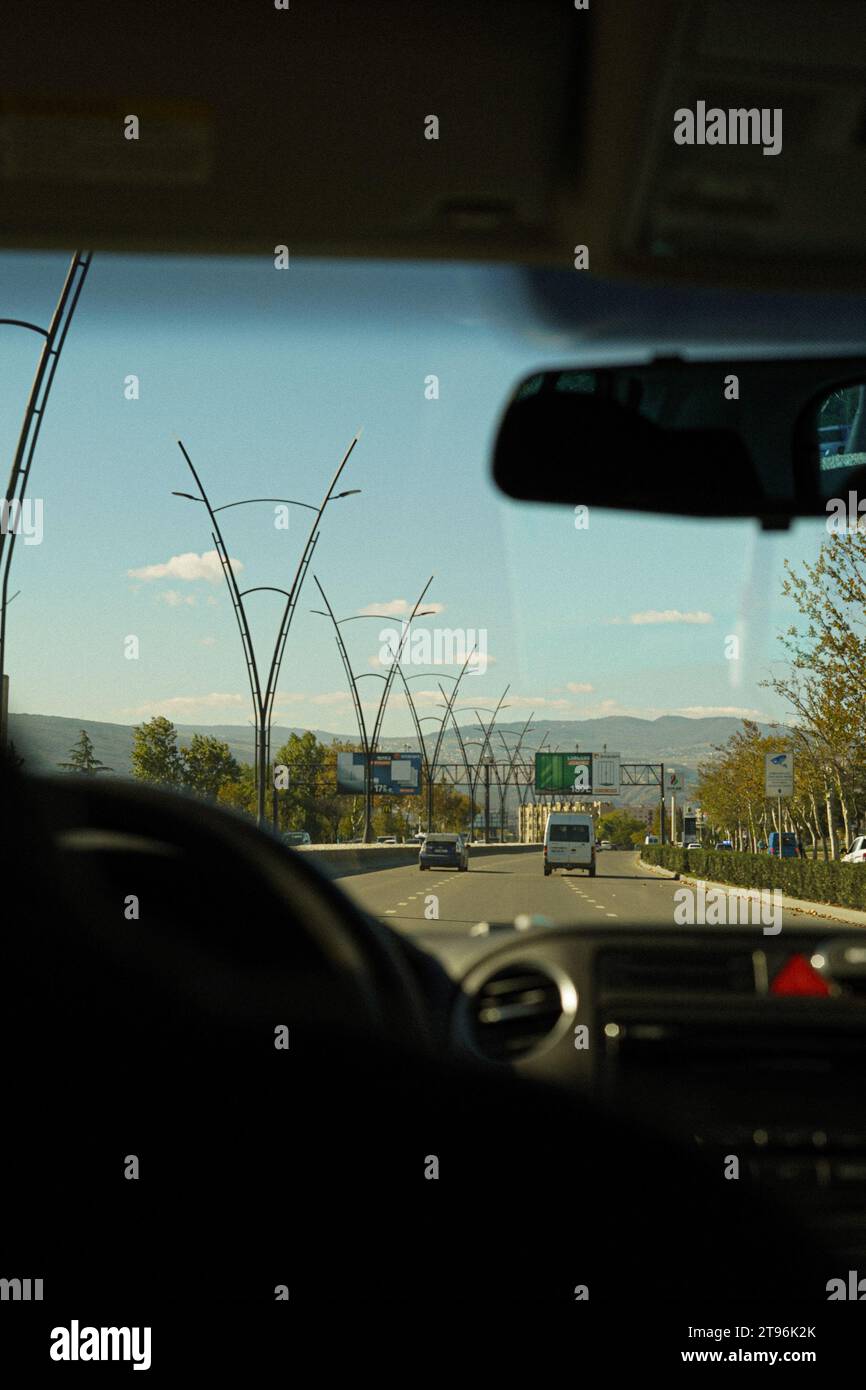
{"x":499,"y":888}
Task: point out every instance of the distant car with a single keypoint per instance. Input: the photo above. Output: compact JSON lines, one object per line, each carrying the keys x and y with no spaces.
{"x":857,"y":853}
{"x":693,"y":844}
{"x":651,"y":839}
{"x":724,"y":844}
{"x":605,"y":844}
{"x":419,"y":837}
{"x":444,"y":851}
{"x":386,"y":839}
{"x":295,"y":837}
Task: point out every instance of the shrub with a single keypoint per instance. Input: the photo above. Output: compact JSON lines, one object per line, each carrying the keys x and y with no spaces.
{"x":817,"y":880}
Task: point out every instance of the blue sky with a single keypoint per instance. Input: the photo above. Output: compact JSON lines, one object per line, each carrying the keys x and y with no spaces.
{"x":266,"y":375}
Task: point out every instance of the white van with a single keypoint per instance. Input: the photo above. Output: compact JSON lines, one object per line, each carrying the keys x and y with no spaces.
{"x":569,"y":842}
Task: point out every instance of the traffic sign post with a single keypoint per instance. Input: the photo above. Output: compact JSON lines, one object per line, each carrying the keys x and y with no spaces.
{"x":779,"y":774}
{"x":779,"y":781}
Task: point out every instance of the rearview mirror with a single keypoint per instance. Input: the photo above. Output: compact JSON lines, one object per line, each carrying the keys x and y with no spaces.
{"x":771,"y":439}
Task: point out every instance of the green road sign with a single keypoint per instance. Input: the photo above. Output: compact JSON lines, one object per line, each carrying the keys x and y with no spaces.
{"x":563,"y":772}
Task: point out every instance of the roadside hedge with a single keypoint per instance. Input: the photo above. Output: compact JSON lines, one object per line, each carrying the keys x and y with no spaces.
{"x":842,"y":885}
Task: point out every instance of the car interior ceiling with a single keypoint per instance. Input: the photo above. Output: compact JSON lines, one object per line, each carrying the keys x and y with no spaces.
{"x":162,"y":1043}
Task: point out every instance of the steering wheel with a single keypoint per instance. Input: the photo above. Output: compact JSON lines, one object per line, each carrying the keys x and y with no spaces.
{"x":221,"y":918}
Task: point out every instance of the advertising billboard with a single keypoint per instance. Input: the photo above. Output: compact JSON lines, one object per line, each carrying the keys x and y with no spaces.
{"x":564,"y":772}
{"x":394,"y":774}
{"x":592,"y":774}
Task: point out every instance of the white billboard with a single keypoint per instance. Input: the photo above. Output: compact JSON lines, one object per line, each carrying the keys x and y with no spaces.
{"x":605,"y":774}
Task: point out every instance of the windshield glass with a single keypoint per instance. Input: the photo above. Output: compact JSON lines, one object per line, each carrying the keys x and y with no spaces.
{"x":666,"y":662}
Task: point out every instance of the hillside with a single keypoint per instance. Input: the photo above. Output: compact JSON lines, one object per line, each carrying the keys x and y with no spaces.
{"x":681,"y":743}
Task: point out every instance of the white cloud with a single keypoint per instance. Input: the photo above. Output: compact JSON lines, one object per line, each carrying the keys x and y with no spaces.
{"x":541,"y":702}
{"x":175,"y":599}
{"x":188,"y":566}
{"x":330,"y":697}
{"x":663,"y":615}
{"x":188,"y":704}
{"x":207,"y":642}
{"x":706,"y":711}
{"x":579,"y":687}
{"x":397,"y":608}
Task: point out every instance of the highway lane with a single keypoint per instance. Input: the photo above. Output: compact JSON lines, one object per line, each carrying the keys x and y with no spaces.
{"x":501,"y":888}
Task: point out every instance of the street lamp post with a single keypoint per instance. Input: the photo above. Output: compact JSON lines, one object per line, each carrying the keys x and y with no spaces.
{"x":430,"y":765}
{"x":370,"y":745}
{"x":263,"y":701}
{"x":54,"y":336}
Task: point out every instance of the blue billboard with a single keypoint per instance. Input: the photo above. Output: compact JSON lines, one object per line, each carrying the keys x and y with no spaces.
{"x":394,"y":774}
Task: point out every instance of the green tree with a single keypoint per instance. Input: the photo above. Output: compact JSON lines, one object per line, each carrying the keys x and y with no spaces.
{"x":620,"y":828}
{"x":240,"y":794}
{"x":82,"y":758}
{"x":208,"y":765}
{"x":299,"y":806}
{"x":155,"y":754}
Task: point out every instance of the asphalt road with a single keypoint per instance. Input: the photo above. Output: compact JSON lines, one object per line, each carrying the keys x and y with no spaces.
{"x":499,"y":888}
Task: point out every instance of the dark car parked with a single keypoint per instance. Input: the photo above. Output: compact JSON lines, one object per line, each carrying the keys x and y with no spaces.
{"x":444,"y":851}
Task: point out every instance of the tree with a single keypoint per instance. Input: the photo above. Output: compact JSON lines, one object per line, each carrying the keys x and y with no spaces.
{"x":155,"y":755}
{"x":82,"y":758}
{"x":240,"y":794}
{"x":826,"y":683}
{"x":299,"y":805}
{"x":208,"y":765}
{"x":621,"y":828}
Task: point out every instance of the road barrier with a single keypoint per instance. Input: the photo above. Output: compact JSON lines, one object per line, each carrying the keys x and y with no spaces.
{"x":816,"y":880}
{"x":341,"y":861}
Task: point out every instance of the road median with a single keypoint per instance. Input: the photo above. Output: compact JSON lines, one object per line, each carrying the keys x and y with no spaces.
{"x":343,"y":861}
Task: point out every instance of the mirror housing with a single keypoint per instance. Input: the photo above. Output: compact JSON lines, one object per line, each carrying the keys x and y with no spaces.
{"x":721,"y":439}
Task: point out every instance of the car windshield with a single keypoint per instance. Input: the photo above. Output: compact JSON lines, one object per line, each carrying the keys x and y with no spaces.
{"x":431,"y":613}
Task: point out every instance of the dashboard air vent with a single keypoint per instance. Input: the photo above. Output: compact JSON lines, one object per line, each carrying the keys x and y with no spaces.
{"x":513,"y":1011}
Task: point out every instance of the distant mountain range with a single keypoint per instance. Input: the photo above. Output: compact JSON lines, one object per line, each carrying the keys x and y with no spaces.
{"x":44,"y":740}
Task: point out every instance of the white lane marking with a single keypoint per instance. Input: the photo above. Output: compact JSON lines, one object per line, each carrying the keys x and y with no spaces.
{"x":390,"y":912}
{"x":613,"y":914}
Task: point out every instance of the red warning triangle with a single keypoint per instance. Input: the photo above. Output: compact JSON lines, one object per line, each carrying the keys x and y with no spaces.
{"x":797,"y":976}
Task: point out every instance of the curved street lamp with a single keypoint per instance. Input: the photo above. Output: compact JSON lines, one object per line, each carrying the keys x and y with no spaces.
{"x":263,"y":701}
{"x":370,"y":745}
{"x":54,"y":336}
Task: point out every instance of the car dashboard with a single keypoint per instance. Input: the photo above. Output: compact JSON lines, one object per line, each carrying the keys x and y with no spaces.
{"x":706,"y":1035}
